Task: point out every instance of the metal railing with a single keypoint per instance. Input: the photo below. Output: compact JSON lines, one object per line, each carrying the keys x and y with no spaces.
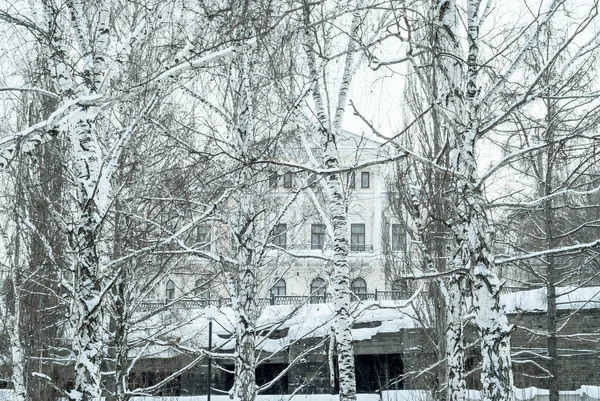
{"x":327,"y":247}
{"x":294,"y":300}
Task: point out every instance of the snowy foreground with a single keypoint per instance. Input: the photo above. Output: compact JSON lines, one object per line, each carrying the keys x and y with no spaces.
{"x":585,"y":393}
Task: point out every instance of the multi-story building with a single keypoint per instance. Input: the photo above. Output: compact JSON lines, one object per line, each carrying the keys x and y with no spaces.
{"x":301,"y":239}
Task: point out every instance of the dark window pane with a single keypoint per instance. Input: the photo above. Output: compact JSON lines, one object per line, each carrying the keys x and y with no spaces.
{"x":352,"y":180}
{"x":287,"y":180}
{"x":278,"y":288}
{"x":365,"y":179}
{"x":202,"y":287}
{"x":401,"y":289}
{"x":317,"y":236}
{"x":359,"y":286}
{"x":273,"y":180}
{"x":398,"y":238}
{"x":317,"y":287}
{"x":357,"y":237}
{"x":280,"y":235}
{"x":204,"y":237}
{"x":170,"y":291}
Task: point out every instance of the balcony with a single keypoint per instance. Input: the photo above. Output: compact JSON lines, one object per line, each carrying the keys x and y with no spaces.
{"x":328,"y":247}
{"x":361,"y":248}
{"x":294,"y":300}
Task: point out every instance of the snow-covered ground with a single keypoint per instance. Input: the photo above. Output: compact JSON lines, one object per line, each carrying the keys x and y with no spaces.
{"x":585,"y":393}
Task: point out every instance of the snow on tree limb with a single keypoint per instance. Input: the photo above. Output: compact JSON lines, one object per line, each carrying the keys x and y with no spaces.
{"x":27,"y":140}
{"x":187,"y":65}
{"x":554,"y":251}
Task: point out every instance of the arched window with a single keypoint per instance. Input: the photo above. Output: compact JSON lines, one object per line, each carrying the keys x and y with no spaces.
{"x":170,"y":292}
{"x":317,"y":287}
{"x":278,"y":288}
{"x":359,"y":286}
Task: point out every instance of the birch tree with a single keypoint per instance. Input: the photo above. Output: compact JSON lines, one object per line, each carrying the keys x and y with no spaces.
{"x":327,"y":132}
{"x":12,"y":281}
{"x":560,"y":177}
{"x":88,"y":54}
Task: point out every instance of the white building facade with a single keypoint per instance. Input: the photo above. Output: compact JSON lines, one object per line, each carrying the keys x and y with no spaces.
{"x":300,"y":242}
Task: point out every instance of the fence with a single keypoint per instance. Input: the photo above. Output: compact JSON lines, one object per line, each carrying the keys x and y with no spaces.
{"x":295,"y":300}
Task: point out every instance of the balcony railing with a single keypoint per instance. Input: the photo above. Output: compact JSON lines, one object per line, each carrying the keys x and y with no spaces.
{"x":295,"y":300}
{"x":329,"y":247}
{"x":361,"y":248}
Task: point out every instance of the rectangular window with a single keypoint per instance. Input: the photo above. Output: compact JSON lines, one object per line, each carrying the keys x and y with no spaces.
{"x":352,"y":179}
{"x":273,"y":180}
{"x":365,"y":179}
{"x":234,"y":242}
{"x":204,"y":237}
{"x":287,"y":180}
{"x":357,"y":237}
{"x":312,"y":179}
{"x":398,"y":238}
{"x":280,"y":235}
{"x":317,"y":236}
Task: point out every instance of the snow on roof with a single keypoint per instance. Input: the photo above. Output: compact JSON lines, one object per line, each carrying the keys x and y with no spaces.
{"x":280,"y":326}
{"x":569,"y":298}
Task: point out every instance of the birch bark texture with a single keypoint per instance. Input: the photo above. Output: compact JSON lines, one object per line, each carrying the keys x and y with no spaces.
{"x":77,"y":41}
{"x":328,"y":131}
{"x":243,"y":276}
{"x":471,"y":248}
{"x":92,"y":189}
{"x":11,"y":284}
{"x":449,"y":75}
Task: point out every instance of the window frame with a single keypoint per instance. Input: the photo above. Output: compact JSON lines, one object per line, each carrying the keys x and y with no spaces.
{"x":170,"y":291}
{"x":279,"y":235}
{"x":202,"y":288}
{"x":398,"y":238}
{"x":273,"y":178}
{"x":320,"y":290}
{"x":288,"y":180}
{"x":204,"y":239}
{"x":320,"y":236}
{"x":355,"y":238}
{"x":278,"y":286}
{"x":353,"y":286}
{"x":367,"y":175}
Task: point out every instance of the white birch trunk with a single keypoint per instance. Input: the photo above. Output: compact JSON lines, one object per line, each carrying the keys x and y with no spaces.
{"x":454,"y":314}
{"x":449,"y":76}
{"x":473,"y":235}
{"x":19,"y":378}
{"x":243,"y":280}
{"x":455,"y":340}
{"x":471,"y":249}
{"x":10,"y":302}
{"x":328,"y":132}
{"x":12,"y":316}
{"x":92,"y":192}
{"x":87,"y":332}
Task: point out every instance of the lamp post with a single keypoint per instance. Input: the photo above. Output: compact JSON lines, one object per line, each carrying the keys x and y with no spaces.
{"x":210,"y":318}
